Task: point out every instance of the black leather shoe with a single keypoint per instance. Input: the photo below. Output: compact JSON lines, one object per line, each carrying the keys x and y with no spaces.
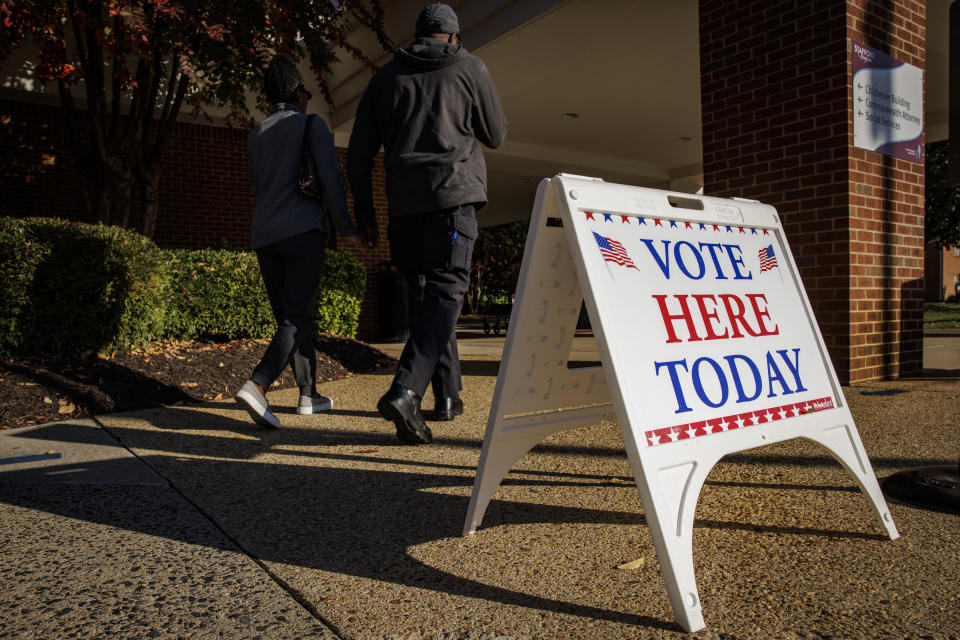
{"x":447,"y":409}
{"x":402,"y":407}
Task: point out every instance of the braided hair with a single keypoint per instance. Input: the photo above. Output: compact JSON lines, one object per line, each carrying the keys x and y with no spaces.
{"x":281,"y":79}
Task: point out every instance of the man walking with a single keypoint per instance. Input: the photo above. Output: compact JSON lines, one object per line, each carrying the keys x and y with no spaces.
{"x":430,"y":109}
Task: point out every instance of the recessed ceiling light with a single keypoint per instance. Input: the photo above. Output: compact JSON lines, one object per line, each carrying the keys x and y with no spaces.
{"x":570,"y":115}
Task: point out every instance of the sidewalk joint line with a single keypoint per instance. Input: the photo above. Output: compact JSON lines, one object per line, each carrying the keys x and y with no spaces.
{"x":283,"y":584}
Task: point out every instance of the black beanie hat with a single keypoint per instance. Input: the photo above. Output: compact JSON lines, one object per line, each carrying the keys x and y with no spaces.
{"x":437,"y":18}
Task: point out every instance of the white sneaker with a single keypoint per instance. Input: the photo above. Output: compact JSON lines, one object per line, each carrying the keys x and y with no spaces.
{"x":250,"y":398}
{"x":309,"y":404}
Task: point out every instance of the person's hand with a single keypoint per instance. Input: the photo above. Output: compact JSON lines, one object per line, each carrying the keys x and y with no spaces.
{"x":367,"y":240}
{"x":363,"y":239}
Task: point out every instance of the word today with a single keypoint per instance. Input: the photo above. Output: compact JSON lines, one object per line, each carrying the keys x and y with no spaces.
{"x":707,"y":381}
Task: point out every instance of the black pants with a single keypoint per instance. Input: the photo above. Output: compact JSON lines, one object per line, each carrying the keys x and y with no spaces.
{"x":291,"y":270}
{"x":433,"y":251}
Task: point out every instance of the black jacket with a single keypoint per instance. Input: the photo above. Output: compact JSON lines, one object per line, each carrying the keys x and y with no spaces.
{"x":430,"y":108}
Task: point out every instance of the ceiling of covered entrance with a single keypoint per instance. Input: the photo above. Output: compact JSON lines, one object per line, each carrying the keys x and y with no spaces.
{"x":608,"y":89}
{"x":603,"y":88}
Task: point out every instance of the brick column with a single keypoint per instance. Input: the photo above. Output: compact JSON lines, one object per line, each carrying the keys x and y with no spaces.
{"x":778,"y":128}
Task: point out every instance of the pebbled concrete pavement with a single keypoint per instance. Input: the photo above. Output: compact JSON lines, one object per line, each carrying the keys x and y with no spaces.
{"x":191,"y":522}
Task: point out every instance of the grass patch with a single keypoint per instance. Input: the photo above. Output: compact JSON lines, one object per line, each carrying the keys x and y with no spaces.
{"x":941,"y":315}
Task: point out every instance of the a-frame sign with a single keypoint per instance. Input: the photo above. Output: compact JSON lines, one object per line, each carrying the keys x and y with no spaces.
{"x":708,"y":347}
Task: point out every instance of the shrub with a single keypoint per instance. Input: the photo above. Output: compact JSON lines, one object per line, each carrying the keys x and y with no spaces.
{"x":341,"y":294}
{"x":75,"y":287}
{"x":219,"y":294}
{"x":68,"y":287}
{"x":344,"y":273}
{"x":338,"y":312}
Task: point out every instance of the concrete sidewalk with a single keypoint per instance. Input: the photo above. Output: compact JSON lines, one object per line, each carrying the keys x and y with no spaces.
{"x":191,"y":522}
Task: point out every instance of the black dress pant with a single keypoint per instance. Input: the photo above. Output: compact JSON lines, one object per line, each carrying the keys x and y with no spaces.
{"x":291,"y":270}
{"x":433,"y":251}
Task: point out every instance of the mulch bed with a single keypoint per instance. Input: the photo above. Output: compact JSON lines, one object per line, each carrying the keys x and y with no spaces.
{"x":37,"y":390}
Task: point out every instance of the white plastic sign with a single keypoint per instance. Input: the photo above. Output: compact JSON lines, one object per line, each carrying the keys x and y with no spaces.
{"x":887,"y":104}
{"x":707,"y":341}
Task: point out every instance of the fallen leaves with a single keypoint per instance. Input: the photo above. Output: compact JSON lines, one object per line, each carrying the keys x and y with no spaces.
{"x":634,"y":564}
{"x":165,"y":374}
{"x":63,"y":406}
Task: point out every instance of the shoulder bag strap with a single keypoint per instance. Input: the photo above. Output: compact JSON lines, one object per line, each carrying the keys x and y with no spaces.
{"x":305,"y":146}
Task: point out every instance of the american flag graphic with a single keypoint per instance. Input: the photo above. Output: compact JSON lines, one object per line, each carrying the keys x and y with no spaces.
{"x":613,"y":251}
{"x":768,"y":260}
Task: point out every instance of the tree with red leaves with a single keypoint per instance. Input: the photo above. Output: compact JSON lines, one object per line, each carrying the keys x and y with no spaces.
{"x":136,"y":63}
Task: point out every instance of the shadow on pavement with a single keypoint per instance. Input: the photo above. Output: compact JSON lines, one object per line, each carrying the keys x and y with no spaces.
{"x":358,"y":521}
{"x":362,"y":517}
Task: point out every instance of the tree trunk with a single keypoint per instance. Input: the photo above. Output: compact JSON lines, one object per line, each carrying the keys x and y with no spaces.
{"x":149,"y":165}
{"x":123,"y":187}
{"x":110,"y":152}
{"x":113,"y":187}
{"x":86,"y":167}
{"x":149,"y":200}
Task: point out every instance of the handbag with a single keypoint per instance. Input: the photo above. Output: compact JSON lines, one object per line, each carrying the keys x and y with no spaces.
{"x":309,"y":181}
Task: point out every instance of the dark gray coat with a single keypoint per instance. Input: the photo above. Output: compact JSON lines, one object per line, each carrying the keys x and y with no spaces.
{"x":430,"y":108}
{"x":273,"y":150}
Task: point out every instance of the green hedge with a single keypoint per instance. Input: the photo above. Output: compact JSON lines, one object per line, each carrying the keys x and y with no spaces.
{"x":70,"y":287}
{"x":219,"y":294}
{"x":341,"y":294}
{"x":74,"y":287}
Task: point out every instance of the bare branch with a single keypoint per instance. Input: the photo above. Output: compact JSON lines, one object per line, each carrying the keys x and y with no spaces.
{"x":78,"y":37}
{"x":136,"y":105}
{"x":97,"y":91}
{"x":182,"y":82}
{"x":372,"y":19}
{"x":116,"y":87}
{"x":151,"y":100}
{"x":171,"y":83}
{"x":76,"y":145}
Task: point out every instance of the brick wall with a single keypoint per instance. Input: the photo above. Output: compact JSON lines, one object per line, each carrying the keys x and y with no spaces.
{"x":887,"y":214}
{"x":205,"y":192}
{"x":206,"y":197}
{"x":38,"y":176}
{"x":777,"y":127}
